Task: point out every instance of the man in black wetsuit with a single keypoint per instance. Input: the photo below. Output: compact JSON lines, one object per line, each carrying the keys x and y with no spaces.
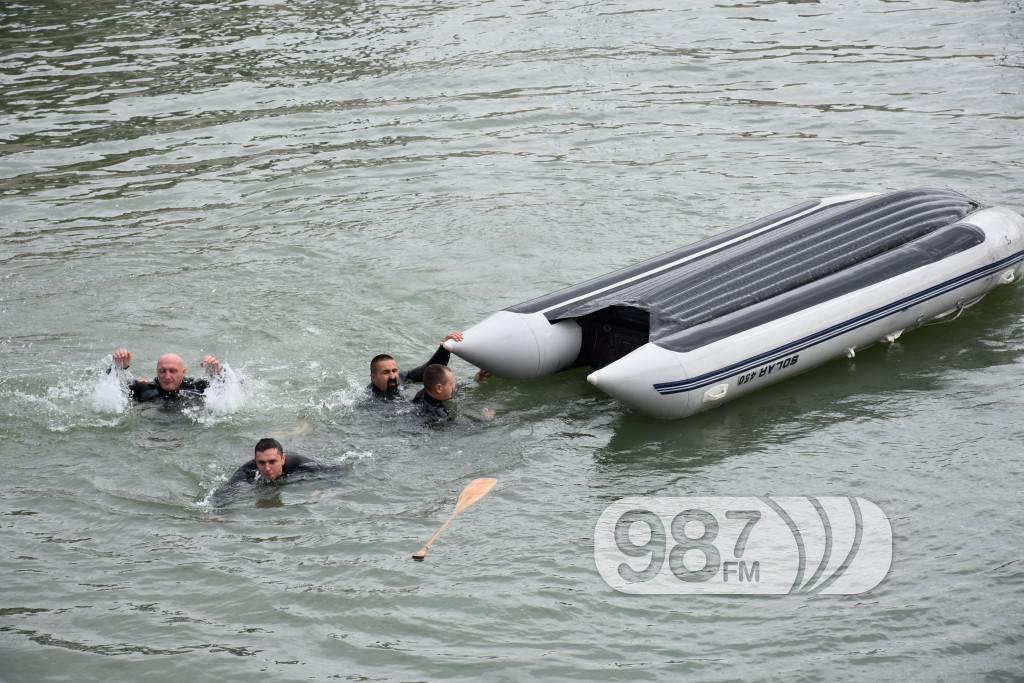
{"x":386,"y":382}
{"x":438,"y":389}
{"x":269,"y":464}
{"x":170,"y":381}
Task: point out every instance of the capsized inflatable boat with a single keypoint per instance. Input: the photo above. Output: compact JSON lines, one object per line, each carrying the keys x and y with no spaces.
{"x":699,"y":326}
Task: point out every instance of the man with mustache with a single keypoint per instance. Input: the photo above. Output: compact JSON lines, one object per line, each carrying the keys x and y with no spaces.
{"x":386,"y":382}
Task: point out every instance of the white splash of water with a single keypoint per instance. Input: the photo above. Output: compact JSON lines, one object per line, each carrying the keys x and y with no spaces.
{"x":206,"y":503}
{"x":225,"y":395}
{"x":341,"y":401}
{"x":353,"y":456}
{"x":110,"y":392}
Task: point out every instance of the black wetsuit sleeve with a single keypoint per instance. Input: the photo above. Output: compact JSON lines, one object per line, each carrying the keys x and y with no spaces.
{"x":300,"y":463}
{"x":144,"y":391}
{"x":150,"y":391}
{"x":245,"y":473}
{"x":442,"y":356}
{"x":194,"y":385}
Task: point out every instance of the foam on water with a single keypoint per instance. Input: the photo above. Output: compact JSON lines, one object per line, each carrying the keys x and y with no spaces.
{"x":87,"y":398}
{"x":225,"y":394}
{"x":341,"y":401}
{"x":353,"y":456}
{"x":110,"y":392}
{"x":206,"y":502}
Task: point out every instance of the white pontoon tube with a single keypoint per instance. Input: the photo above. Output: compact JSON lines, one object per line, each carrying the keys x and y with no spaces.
{"x":699,"y":326}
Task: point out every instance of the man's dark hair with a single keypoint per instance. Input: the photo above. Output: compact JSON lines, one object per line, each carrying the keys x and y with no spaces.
{"x":267,"y":444}
{"x":435,"y":374}
{"x":378,"y":358}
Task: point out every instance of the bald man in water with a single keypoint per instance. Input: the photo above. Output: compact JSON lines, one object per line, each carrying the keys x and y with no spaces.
{"x":170,"y":381}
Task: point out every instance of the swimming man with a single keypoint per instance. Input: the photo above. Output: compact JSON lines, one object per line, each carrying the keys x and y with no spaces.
{"x":171,"y":381}
{"x":386,"y":382}
{"x":270,"y":464}
{"x":438,"y":389}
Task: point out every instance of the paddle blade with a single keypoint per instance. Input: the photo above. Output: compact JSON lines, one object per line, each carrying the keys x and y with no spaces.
{"x":474,"y":491}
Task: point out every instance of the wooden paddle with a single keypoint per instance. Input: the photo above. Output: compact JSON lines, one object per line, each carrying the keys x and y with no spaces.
{"x":474,"y":491}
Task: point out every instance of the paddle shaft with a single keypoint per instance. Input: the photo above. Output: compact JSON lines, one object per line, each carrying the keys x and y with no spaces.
{"x":474,"y":491}
{"x":426,"y":546}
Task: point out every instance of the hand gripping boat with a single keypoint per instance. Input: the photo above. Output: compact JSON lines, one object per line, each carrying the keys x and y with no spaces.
{"x":712,"y":321}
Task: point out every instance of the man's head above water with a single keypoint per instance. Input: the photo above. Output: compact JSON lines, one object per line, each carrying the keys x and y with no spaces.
{"x":269,"y":457}
{"x":439,"y":382}
{"x":170,"y":371}
{"x":384,"y":373}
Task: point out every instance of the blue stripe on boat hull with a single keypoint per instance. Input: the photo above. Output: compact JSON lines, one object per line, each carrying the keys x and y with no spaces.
{"x":683,"y":385}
